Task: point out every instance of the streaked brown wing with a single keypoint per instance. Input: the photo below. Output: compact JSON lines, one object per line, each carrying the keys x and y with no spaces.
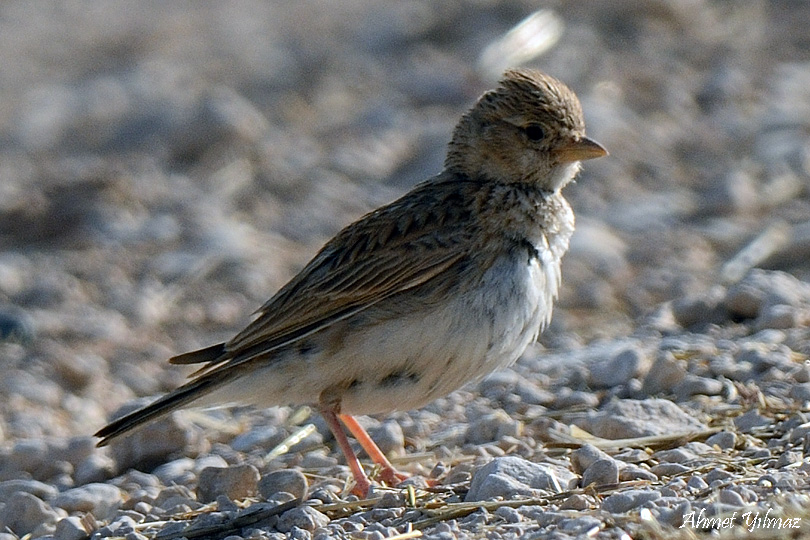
{"x":391,"y":250}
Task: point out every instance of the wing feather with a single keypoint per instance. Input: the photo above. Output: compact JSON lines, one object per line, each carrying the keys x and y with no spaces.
{"x":385,"y":253}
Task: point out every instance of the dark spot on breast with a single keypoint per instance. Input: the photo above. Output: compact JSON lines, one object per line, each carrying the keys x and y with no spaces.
{"x":525,"y":244}
{"x":306,"y":347}
{"x":357,"y":321}
{"x":354,"y":383}
{"x":400,"y":377}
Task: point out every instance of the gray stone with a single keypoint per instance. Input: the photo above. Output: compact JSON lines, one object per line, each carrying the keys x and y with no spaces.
{"x":510,"y":515}
{"x":288,"y":481}
{"x":532,"y":394}
{"x":664,"y":374}
{"x":633,"y":455}
{"x":668,"y":469}
{"x":584,"y":456}
{"x":95,"y":468}
{"x":302,"y":517}
{"x":725,"y":440}
{"x":265,"y":437}
{"x":102,"y":500}
{"x":34,"y":487}
{"x":800,"y":392}
{"x":29,"y":455}
{"x":176,"y":470}
{"x":697,"y":483}
{"x":389,"y":438}
{"x":601,"y":472}
{"x":491,"y":427}
{"x":575,"y":398}
{"x":732,"y":498}
{"x":236,"y":482}
{"x":581,"y":526}
{"x":750,"y":420}
{"x":628,"y":418}
{"x":718,"y":474}
{"x":617,"y":369}
{"x":693,"y":385}
{"x":70,"y":528}
{"x":633,"y":472}
{"x":154,"y":442}
{"x":699,"y":310}
{"x":627,"y":500}
{"x":788,"y":458}
{"x":761,"y":288}
{"x":676,"y":455}
{"x":23,"y":513}
{"x":510,"y":476}
{"x":576,"y":502}
{"x":779,"y":316}
{"x":498,"y":384}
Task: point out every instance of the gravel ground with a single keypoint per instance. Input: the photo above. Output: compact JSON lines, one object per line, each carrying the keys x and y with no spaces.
{"x":165,"y":167}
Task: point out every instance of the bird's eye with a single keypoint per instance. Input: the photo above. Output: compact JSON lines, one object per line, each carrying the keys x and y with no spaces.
{"x":534,"y":132}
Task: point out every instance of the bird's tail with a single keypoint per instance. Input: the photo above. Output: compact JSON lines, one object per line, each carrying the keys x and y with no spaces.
{"x":207,"y":355}
{"x":185,"y":395}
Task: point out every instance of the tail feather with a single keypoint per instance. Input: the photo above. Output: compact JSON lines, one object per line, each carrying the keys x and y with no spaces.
{"x":206,"y":355}
{"x":162,"y":406}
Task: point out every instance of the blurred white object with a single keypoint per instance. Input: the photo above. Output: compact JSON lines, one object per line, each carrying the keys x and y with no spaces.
{"x":530,"y":38}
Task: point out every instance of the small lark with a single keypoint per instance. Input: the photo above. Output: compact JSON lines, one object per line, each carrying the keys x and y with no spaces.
{"x":417,"y":298}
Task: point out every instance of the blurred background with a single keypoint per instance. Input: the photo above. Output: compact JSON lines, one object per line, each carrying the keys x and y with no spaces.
{"x":166,"y":166}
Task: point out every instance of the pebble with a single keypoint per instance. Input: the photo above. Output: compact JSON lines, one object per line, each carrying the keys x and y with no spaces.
{"x":693,"y":385}
{"x":788,"y":458}
{"x":512,"y":476}
{"x":287,"y":481}
{"x":264,"y":437}
{"x":303,"y":517}
{"x":235,"y":482}
{"x":389,"y":438}
{"x":601,"y":472}
{"x":16,"y":325}
{"x":751,"y":420}
{"x":70,"y":528}
{"x":617,"y":369}
{"x":619,"y":503}
{"x":731,"y":498}
{"x":585,"y":526}
{"x":23,"y":514}
{"x":697,"y":483}
{"x":628,"y":418}
{"x":576,"y":502}
{"x":492,"y":427}
{"x":585,"y":456}
{"x":668,"y":469}
{"x":154,"y":442}
{"x":96,"y":468}
{"x":701,"y":309}
{"x":567,"y":398}
{"x":510,"y":515}
{"x":725,"y":440}
{"x":800,"y":392}
{"x":676,"y":455}
{"x":665,"y":373}
{"x":102,"y":500}
{"x":39,"y":489}
{"x":632,"y":472}
{"x":779,"y":316}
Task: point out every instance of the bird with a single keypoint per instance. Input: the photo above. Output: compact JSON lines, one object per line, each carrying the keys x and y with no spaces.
{"x":421,"y":296}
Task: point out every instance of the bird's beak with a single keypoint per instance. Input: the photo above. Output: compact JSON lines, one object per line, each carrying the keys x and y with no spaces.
{"x":579,"y":149}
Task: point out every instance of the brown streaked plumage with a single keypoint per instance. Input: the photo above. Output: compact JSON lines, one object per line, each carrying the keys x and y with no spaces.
{"x":436,"y":289}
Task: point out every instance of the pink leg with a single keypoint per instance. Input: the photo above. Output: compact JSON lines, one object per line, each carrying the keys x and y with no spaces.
{"x":389,"y":474}
{"x":363,"y":485}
